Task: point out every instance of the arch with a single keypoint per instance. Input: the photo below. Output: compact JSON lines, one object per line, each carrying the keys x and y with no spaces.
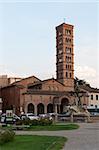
{"x":40,"y":108}
{"x":64,"y":102}
{"x":30,"y":108}
{"x":50,"y":108}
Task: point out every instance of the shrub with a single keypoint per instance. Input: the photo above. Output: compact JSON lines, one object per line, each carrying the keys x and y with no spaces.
{"x":34,"y":122}
{"x":44,"y":122}
{"x":6,"y":136}
{"x":19,"y":122}
{"x":26,"y":121}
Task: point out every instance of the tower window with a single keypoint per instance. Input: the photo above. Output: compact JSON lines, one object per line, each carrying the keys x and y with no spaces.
{"x":59,"y":33}
{"x":60,"y":60}
{"x":66,"y":74}
{"x":60,"y":51}
{"x":66,"y":66}
{"x":68,"y":40}
{"x":60,"y":41}
{"x":70,"y":75}
{"x":68,"y":50}
{"x":68,"y":32}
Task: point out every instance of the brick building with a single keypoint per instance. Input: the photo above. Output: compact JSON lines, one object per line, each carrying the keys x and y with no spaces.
{"x":52,"y":95}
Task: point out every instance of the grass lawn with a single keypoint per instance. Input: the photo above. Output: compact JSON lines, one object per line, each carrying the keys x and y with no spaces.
{"x":33,"y":142}
{"x":54,"y":127}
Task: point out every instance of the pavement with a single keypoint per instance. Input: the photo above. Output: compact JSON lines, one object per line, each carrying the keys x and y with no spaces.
{"x":84,"y":138}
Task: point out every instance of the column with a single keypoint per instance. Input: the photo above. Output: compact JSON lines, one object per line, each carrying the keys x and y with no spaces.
{"x":56,"y":108}
{"x":56,"y":117}
{"x":35,"y":109}
{"x":45,"y":109}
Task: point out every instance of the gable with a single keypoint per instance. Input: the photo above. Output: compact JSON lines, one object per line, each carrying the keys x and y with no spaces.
{"x":27,"y":81}
{"x":52,"y":85}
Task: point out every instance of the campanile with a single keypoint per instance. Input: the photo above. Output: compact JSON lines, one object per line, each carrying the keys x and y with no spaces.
{"x":65,"y":55}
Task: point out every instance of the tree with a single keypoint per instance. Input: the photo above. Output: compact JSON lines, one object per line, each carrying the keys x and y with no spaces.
{"x":78,"y":93}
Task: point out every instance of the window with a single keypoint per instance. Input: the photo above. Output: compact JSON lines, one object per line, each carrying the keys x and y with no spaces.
{"x":59,"y":33}
{"x":60,"y":41}
{"x":91,"y":97}
{"x":60,"y":60}
{"x":68,"y":40}
{"x":70,"y":75}
{"x":66,"y":75}
{"x":66,"y":66}
{"x":68,"y":50}
{"x":68,"y":32}
{"x":96,"y":97}
{"x":57,"y":88}
{"x":60,"y":51}
{"x":49,"y":88}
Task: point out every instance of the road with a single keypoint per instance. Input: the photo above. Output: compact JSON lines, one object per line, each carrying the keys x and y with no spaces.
{"x":84,"y":138}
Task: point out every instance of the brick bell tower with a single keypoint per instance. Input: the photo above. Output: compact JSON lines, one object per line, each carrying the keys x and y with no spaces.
{"x":65,"y":55}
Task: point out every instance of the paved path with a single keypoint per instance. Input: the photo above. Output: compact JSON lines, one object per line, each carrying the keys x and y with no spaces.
{"x":85,"y":138}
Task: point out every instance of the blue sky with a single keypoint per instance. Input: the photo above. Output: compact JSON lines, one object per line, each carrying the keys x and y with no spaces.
{"x":27,"y":38}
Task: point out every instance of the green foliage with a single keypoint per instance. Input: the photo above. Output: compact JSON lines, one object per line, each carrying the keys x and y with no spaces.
{"x":42,"y":122}
{"x":6,"y":136}
{"x":45,"y":122}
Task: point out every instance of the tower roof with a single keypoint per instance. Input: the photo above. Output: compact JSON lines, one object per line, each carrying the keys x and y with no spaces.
{"x":64,"y":24}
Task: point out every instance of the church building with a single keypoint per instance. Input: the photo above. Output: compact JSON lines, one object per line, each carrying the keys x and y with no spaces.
{"x":51,"y":95}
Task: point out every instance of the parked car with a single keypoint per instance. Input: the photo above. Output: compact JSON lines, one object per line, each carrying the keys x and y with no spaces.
{"x":64,"y":114}
{"x":31,"y":116}
{"x":23,"y":116}
{"x":94,"y":113}
{"x":4,"y":118}
{"x":45,"y":116}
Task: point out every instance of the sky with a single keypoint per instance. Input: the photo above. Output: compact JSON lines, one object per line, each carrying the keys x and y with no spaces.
{"x":28,"y":37}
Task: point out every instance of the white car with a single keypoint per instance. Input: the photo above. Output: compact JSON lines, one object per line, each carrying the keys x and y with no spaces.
{"x":32,"y":116}
{"x":45,"y":116}
{"x":4,"y":118}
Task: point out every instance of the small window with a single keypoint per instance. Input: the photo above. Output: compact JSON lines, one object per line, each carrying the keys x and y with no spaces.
{"x":60,"y":41}
{"x":96,"y":97}
{"x":91,"y":97}
{"x":66,"y":66}
{"x":60,"y":60}
{"x":60,"y":51}
{"x":56,"y":88}
{"x":66,"y":75}
{"x":49,"y":88}
{"x":70,"y":75}
{"x":59,"y":33}
{"x":68,"y":32}
{"x":68,"y":50}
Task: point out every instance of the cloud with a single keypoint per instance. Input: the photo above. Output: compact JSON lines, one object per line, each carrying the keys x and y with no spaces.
{"x":88,"y":74}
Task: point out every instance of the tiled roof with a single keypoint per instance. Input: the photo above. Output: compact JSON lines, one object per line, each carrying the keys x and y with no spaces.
{"x":89,"y":89}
